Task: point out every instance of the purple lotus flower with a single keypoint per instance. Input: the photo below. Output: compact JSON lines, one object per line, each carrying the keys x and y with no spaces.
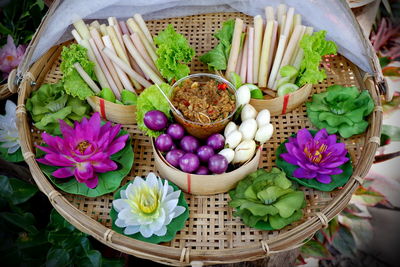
{"x":318,"y":157}
{"x":10,"y":56}
{"x":84,"y":150}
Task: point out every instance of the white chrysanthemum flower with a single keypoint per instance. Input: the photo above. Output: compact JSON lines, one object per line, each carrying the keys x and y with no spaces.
{"x":8,"y":129}
{"x":147,"y":206}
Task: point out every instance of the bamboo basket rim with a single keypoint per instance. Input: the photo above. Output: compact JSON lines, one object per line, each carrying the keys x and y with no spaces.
{"x":185,"y":256}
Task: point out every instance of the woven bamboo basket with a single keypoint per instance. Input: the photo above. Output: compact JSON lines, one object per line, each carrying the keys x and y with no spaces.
{"x":283,"y":104}
{"x":204,"y":184}
{"x":211,"y":235}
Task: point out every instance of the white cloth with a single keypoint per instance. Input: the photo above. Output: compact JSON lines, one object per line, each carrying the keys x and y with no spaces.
{"x":334,"y":16}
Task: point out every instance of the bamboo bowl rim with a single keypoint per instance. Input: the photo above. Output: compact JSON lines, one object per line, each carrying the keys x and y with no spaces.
{"x":45,"y":69}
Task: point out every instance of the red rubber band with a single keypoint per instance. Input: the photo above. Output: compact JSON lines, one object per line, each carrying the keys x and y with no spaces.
{"x":102,"y":108}
{"x":188,"y":182}
{"x":285,"y":103}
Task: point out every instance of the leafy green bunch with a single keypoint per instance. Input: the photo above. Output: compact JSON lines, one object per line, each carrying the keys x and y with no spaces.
{"x":50,"y":103}
{"x":173,"y":53}
{"x":341,"y":109}
{"x":267,"y":200}
{"x":73,"y":83}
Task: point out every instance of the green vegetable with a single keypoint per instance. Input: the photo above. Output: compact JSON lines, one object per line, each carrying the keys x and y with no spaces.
{"x":255,"y":91}
{"x":73,"y":83}
{"x":267,"y":200}
{"x":341,"y":109}
{"x":287,"y":88}
{"x":288,"y":71}
{"x":217,"y":58}
{"x":50,"y":103}
{"x":314,"y":46}
{"x":235,"y":79}
{"x":107,"y":94}
{"x":128,"y":97}
{"x":152,"y":99}
{"x":173,"y":53}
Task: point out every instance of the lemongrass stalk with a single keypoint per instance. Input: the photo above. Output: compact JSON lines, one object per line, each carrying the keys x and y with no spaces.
{"x":97,"y":69}
{"x":234,"y":54}
{"x":258,"y":36}
{"x":82,"y":28}
{"x":125,"y":67}
{"x":250,"y":33}
{"x":281,"y":27}
{"x":289,"y":22}
{"x":296,"y":20}
{"x":122,"y":76}
{"x":119,"y":36}
{"x":86,"y":78}
{"x":136,"y":67}
{"x":150,"y":49}
{"x":100,"y":45}
{"x":111,"y":21}
{"x":243,"y":64}
{"x":273,"y":46}
{"x":142,"y":24}
{"x":266,"y":47}
{"x":239,"y":62}
{"x":297,"y":48}
{"x":95,"y":24}
{"x":143,"y":52}
{"x":103,"y":66}
{"x":117,"y":45}
{"x":277,"y":61}
{"x":288,"y":54}
{"x":124,"y":28}
{"x":76,"y":36}
{"x":269,"y":13}
{"x":280,"y":12}
{"x":140,"y":61}
{"x":103,"y":29}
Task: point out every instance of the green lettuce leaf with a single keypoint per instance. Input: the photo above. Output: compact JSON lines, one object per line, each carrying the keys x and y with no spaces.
{"x":73,"y":83}
{"x":217,"y":58}
{"x":152,"y":99}
{"x":173,"y":53}
{"x":314,"y":46}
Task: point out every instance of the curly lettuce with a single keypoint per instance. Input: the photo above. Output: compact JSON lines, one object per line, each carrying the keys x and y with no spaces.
{"x":152,"y":99}
{"x":73,"y":83}
{"x":173,"y":53}
{"x":50,"y":103}
{"x":341,"y":110}
{"x":217,"y":58}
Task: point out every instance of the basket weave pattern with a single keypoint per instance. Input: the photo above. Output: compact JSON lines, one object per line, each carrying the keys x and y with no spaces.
{"x":212,"y":234}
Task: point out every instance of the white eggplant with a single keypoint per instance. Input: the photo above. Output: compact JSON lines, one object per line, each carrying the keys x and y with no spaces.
{"x":248,"y":112}
{"x":233,"y":139}
{"x":248,"y":129}
{"x":263,"y":118}
{"x":230,"y":127}
{"x":264,"y":133}
{"x":228,"y":153}
{"x":244,"y":151}
{"x":243,"y":95}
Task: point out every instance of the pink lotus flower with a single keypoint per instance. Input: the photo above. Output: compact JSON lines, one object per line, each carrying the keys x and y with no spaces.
{"x":84,"y":150}
{"x":10,"y":56}
{"x":317,"y":157}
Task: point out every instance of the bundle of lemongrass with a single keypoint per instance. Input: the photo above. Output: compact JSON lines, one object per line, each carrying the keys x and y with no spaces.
{"x":123,"y":52}
{"x":267,"y":47}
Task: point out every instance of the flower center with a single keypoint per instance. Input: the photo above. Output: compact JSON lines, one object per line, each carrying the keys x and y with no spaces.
{"x":315,"y":152}
{"x":82,"y":146}
{"x":148,"y":201}
{"x":9,"y":58}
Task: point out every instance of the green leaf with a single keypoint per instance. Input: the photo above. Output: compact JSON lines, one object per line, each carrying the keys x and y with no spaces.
{"x":392,"y":131}
{"x":278,"y":222}
{"x":22,"y":191}
{"x":259,"y":209}
{"x":172,"y":228}
{"x":288,"y":71}
{"x":289,"y":203}
{"x":270,"y":194}
{"x":173,"y":51}
{"x":92,"y":258}
{"x":106,"y":262}
{"x":108,"y":182}
{"x":332,"y":229}
{"x":107,"y":94}
{"x":6,"y":190}
{"x":344,"y":242}
{"x":315,"y":249}
{"x":217,"y":58}
{"x":57,"y":257}
{"x":337,"y":180}
{"x":24,"y":221}
{"x":128,"y":97}
{"x":235,"y":79}
{"x":13,"y":157}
